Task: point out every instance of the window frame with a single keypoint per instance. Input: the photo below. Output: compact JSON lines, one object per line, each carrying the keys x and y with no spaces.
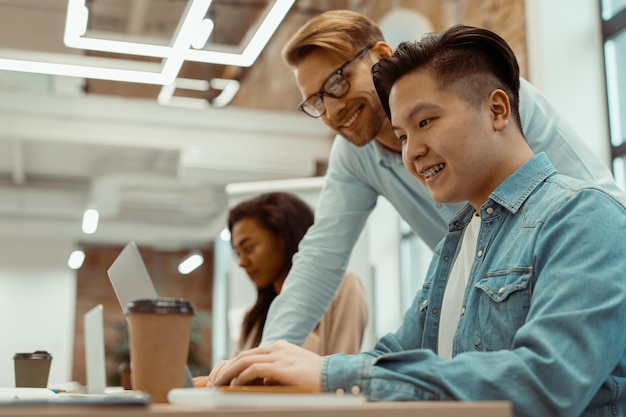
{"x":611,"y":28}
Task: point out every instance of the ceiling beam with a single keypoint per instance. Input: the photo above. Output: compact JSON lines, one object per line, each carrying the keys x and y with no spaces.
{"x":136,"y":17}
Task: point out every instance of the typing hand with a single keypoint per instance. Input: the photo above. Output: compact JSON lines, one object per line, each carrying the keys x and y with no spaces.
{"x":208,"y":380}
{"x":281,"y":363}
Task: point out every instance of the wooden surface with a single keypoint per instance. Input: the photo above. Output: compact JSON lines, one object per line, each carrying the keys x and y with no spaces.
{"x":373,"y":409}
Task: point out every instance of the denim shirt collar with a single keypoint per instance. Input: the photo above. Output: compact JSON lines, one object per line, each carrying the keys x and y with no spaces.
{"x":512,"y":192}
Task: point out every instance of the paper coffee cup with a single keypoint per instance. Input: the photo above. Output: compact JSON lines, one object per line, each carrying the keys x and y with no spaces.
{"x":32,"y":369}
{"x":159,"y":331}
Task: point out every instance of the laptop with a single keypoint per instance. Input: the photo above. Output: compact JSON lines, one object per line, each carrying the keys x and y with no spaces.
{"x":94,"y":351}
{"x":130,"y":280}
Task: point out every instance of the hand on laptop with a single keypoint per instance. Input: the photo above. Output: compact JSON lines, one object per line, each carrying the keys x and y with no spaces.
{"x":279,"y":364}
{"x":208,"y":380}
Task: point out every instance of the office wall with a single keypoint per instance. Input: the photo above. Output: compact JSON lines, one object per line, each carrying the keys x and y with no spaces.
{"x":37,"y":303}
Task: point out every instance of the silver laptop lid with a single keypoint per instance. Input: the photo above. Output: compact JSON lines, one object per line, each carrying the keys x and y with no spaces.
{"x":129,"y":277}
{"x":95,"y":366}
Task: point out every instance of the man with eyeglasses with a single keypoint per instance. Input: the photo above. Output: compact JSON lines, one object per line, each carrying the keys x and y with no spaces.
{"x":332,"y":56}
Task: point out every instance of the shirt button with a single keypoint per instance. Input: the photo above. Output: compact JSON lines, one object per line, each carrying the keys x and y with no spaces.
{"x":489,"y":210}
{"x":434,"y":310}
{"x":501,"y":290}
{"x":463,"y":311}
{"x":479,"y":254}
{"x":355,"y":390}
{"x":340,"y":391}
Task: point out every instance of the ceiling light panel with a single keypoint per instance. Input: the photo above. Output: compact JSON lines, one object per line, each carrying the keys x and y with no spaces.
{"x":194,"y":29}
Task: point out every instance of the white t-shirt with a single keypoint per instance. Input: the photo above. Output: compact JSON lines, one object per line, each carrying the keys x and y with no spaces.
{"x":455,"y":289}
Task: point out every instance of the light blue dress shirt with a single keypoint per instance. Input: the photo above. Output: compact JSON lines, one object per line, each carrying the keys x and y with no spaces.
{"x":542,"y":322}
{"x":355,"y":178}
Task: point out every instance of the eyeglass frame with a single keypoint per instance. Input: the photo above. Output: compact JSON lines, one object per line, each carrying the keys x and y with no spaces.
{"x":321,"y":92}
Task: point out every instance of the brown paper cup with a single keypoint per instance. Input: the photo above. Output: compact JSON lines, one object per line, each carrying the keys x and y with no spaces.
{"x":32,"y":369}
{"x":159,"y":332}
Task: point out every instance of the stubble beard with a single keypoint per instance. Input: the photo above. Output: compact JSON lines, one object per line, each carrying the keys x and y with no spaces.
{"x":368,"y":130}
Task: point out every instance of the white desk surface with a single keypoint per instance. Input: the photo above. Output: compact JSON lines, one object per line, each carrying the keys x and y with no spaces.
{"x":370,"y":409}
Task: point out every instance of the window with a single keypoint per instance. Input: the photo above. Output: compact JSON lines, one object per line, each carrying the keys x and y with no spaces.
{"x":614,"y":37}
{"x":612,"y":7}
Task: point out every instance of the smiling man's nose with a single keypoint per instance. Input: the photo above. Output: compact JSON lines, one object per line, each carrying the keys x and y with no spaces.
{"x":413,"y":149}
{"x":334,"y":106}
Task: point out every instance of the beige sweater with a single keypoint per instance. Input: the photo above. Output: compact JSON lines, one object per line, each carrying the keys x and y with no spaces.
{"x":341,"y":328}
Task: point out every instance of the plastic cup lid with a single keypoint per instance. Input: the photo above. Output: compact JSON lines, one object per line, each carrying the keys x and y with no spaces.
{"x":38,"y":354}
{"x":160,"y":305}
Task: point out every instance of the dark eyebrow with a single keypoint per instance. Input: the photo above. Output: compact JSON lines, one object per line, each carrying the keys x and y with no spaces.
{"x":241,"y":242}
{"x":416,"y":109}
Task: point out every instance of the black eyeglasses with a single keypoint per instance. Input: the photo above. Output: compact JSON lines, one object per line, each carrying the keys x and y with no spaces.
{"x":335,"y":86}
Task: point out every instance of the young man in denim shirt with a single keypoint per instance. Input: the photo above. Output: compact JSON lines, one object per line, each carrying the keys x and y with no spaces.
{"x":525,"y":299}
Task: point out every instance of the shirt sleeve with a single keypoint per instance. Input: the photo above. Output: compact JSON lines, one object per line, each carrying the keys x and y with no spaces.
{"x":347,"y":317}
{"x":323,"y":254}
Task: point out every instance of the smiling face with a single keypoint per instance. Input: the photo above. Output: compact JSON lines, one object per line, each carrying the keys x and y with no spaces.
{"x":357,"y":115}
{"x":454,"y":148}
{"x":260,"y":253}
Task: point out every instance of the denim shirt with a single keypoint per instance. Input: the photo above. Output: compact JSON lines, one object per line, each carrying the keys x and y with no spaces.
{"x":544,"y":311}
{"x":357,"y":176}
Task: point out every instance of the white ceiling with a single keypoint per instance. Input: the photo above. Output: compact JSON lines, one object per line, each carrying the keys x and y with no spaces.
{"x":157,"y":174}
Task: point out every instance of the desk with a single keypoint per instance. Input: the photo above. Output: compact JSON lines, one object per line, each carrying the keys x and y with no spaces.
{"x":372,"y":409}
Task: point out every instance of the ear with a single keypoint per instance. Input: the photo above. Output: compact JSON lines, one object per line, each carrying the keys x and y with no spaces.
{"x":500,"y":108}
{"x":382,"y":49}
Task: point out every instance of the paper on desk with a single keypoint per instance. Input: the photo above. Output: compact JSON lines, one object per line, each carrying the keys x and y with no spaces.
{"x":257,"y":397}
{"x":14,"y":394}
{"x":45,"y":396}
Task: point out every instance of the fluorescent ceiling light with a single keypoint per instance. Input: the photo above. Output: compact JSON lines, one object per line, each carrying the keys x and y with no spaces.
{"x":193,"y":31}
{"x":194,"y":22}
{"x":82,"y":71}
{"x":225,"y":234}
{"x":76,"y":259}
{"x":229,"y":90}
{"x":90,"y":221}
{"x":190,"y":263}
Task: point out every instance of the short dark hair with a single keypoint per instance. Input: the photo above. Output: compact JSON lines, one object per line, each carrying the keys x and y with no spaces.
{"x":471,"y":61}
{"x":285,"y":216}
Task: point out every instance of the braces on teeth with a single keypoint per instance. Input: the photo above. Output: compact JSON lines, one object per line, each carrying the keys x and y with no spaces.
{"x":433,"y":170}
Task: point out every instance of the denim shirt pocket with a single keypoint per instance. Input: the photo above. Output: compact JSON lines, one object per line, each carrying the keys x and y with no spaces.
{"x":503,"y":301}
